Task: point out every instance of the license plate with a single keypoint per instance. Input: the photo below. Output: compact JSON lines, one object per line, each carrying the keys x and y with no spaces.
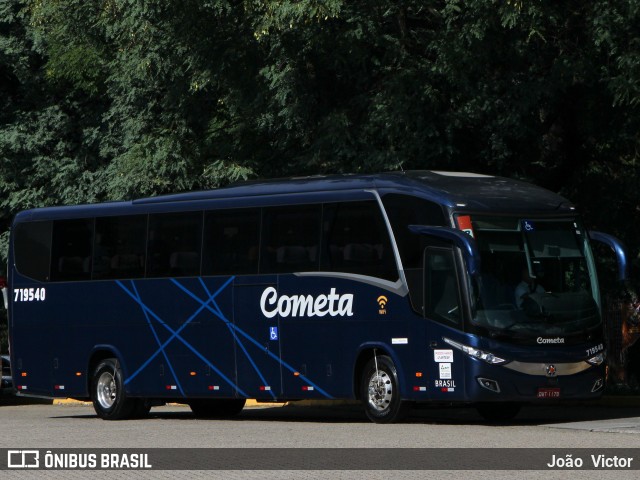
{"x":548,"y":393}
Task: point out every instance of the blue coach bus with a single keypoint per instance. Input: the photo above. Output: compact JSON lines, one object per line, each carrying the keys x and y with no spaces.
{"x":393,"y":289}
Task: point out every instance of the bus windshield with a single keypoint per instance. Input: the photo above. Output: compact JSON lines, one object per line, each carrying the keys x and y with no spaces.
{"x":537,"y":277}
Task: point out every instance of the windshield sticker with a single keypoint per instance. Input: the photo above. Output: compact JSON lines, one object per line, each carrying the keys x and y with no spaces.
{"x":464,"y":224}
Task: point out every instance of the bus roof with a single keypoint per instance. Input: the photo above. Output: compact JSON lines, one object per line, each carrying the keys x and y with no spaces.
{"x":462,"y":190}
{"x":477,"y":191}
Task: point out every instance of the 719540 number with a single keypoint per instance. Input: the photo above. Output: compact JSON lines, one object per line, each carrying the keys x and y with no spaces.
{"x":29,"y":294}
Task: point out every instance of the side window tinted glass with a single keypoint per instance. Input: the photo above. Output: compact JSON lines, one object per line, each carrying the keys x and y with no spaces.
{"x":174,"y":244}
{"x":32,"y":249}
{"x":231,"y":242}
{"x":291,"y":237}
{"x":442,"y":300}
{"x":119,"y":249}
{"x":405,"y":210}
{"x":355,"y":240}
{"x":71,"y":250}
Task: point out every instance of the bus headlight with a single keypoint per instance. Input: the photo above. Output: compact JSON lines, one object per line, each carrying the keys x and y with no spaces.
{"x":473,"y":352}
{"x":597,"y":359}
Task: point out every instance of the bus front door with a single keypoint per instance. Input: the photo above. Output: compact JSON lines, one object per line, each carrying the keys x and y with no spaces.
{"x":443,"y":312}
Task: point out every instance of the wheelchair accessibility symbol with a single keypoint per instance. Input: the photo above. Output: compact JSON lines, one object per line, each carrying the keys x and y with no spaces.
{"x":527,"y":226}
{"x":273,"y":333}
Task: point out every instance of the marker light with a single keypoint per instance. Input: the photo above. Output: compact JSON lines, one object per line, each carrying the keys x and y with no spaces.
{"x":597,"y":360}
{"x":487,"y":357}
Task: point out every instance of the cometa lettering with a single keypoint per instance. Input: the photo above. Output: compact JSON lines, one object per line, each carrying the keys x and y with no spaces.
{"x":542,"y":340}
{"x":305,"y":305}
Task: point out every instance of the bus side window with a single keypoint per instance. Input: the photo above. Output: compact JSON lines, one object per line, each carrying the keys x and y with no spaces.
{"x":290,"y":238}
{"x":71,"y":250}
{"x":174,"y":244}
{"x":120,"y":247}
{"x":442,"y":299}
{"x":231,"y":239}
{"x":33,"y":249}
{"x":405,"y":210}
{"x":355,"y":240}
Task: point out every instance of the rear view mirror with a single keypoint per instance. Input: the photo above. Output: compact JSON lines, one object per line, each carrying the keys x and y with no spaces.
{"x":460,"y":239}
{"x":618,"y":249}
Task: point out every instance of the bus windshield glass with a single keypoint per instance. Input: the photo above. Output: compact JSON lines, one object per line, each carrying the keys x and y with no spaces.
{"x":537,"y":278}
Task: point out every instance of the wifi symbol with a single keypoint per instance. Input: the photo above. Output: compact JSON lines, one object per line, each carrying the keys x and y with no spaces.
{"x":382,"y":301}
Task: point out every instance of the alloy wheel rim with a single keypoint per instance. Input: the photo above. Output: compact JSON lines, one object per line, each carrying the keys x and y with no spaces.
{"x":106,"y":390}
{"x":380,"y":391}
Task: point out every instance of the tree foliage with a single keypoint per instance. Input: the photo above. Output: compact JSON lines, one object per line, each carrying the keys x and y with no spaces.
{"x":111,"y":99}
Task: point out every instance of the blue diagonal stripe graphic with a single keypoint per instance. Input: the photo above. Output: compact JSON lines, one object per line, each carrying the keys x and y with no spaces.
{"x":176,"y":334}
{"x":155,"y":334}
{"x":231,"y":329}
{"x":248,"y":337}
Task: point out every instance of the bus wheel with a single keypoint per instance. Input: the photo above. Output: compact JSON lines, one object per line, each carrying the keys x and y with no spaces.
{"x":217,"y":408}
{"x":498,"y":411}
{"x":380,"y":392}
{"x":107,"y":392}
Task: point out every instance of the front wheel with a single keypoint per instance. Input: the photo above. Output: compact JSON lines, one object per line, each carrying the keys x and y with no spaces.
{"x":380,"y":392}
{"x":107,"y":392}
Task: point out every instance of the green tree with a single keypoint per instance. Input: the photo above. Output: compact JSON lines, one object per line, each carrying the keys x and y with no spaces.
{"x":46,"y":151}
{"x":112,"y":99}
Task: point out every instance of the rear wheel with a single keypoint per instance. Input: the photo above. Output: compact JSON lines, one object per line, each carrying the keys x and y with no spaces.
{"x":107,"y":392}
{"x":499,"y":411}
{"x":217,"y":408}
{"x":380,"y":392}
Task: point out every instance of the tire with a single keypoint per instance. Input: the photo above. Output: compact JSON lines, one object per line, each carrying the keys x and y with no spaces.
{"x":380,"y":392}
{"x":217,"y":408}
{"x":107,"y":392}
{"x":499,"y":412}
